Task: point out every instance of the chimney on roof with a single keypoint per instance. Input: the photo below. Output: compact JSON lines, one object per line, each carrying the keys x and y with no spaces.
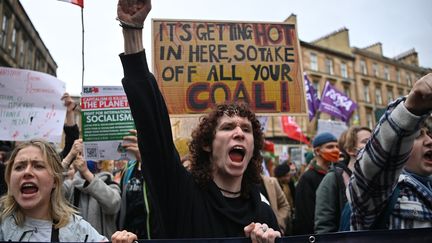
{"x":337,"y":40}
{"x":375,"y":48}
{"x":409,"y":57}
{"x":292,"y":19}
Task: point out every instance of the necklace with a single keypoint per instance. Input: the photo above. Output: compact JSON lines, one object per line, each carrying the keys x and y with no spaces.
{"x":229,"y":192}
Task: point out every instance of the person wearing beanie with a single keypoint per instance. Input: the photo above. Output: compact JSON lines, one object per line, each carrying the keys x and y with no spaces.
{"x":326,"y":150}
{"x":331,"y":193}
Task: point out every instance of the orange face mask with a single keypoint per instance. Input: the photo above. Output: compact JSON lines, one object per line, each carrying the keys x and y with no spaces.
{"x":331,"y":156}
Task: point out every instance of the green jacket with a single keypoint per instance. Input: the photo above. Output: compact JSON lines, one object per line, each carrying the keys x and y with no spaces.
{"x":330,"y":200}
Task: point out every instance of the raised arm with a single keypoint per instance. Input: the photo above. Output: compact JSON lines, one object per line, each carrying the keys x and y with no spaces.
{"x":160,"y":165}
{"x":379,"y":165}
{"x":70,"y":127}
{"x":131,"y":15}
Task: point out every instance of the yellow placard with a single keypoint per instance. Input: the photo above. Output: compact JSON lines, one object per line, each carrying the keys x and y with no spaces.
{"x":198,"y":64}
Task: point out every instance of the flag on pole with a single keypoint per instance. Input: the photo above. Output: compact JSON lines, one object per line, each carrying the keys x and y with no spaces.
{"x":311,"y":97}
{"x":76,"y":2}
{"x":292,"y":130}
{"x":336,"y":103}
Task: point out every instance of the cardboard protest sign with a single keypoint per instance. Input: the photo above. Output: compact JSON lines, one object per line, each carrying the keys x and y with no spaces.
{"x":106,"y":119}
{"x":201,"y":63}
{"x":30,"y":105}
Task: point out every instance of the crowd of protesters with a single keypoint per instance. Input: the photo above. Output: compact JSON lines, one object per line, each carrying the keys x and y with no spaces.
{"x":228,"y":185}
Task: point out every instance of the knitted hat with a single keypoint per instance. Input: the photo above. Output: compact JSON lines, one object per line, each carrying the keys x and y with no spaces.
{"x":323,"y":138}
{"x":281,"y":170}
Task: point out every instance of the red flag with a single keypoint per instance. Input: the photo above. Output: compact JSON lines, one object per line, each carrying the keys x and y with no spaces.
{"x":292,"y":130}
{"x":76,"y":2}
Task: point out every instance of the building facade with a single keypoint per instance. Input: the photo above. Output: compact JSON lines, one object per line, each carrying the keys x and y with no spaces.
{"x":369,"y":78}
{"x":365,"y":75}
{"x":20,"y":43}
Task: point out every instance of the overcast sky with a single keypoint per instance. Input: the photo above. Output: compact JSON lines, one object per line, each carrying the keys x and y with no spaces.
{"x":398,"y":24}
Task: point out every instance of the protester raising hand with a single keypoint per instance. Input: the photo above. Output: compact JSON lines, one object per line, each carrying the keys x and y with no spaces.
{"x":419,"y":100}
{"x":220,"y":196}
{"x":133,"y":13}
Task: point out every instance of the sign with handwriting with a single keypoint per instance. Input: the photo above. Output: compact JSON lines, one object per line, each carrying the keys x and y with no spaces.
{"x":30,"y":105}
{"x":198,"y":64}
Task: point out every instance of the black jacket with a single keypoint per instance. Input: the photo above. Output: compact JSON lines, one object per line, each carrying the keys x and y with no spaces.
{"x":183,"y":208}
{"x":305,"y":202}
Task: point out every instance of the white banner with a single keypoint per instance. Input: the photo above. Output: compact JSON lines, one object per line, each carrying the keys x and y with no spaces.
{"x":334,"y":127}
{"x":30,"y":105}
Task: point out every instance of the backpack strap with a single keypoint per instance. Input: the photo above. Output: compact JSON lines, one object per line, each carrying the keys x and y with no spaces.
{"x":127,"y":172}
{"x":77,"y":195}
{"x":341,"y":188}
{"x":55,"y":233}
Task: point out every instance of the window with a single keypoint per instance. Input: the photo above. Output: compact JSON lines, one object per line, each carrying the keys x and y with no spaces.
{"x":366,"y":92}
{"x":21,"y":55}
{"x":316,"y":85}
{"x":344,"y":70}
{"x":4,"y":30}
{"x":386,"y":73}
{"x":38,"y":61}
{"x":398,"y":76}
{"x":363,"y":68}
{"x":409,"y":79}
{"x":313,"y":61}
{"x":378,"y":99}
{"x":13,"y":48}
{"x":30,"y":56}
{"x":401,"y":92}
{"x":329,"y":66}
{"x":389,"y":94}
{"x":375,"y":70}
{"x":347,"y":91}
{"x":369,"y":119}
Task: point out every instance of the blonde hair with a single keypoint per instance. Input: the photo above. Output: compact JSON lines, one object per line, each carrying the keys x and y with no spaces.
{"x":61,"y":210}
{"x":104,"y":165}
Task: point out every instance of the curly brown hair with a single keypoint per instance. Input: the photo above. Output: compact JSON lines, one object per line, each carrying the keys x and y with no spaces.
{"x":204,"y":134}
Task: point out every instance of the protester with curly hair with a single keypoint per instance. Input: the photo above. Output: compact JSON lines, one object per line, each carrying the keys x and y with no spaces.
{"x":219,"y":197}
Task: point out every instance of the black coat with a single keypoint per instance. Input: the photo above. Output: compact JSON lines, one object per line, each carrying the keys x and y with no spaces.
{"x":183,"y":208}
{"x":305,"y":202}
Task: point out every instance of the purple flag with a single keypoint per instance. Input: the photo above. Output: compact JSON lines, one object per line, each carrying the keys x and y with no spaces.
{"x":311,"y":97}
{"x":336,"y":103}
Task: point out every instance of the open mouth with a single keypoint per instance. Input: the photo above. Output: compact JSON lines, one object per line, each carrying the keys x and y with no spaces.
{"x":29,"y":188}
{"x":237,"y":153}
{"x":428,"y":155}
